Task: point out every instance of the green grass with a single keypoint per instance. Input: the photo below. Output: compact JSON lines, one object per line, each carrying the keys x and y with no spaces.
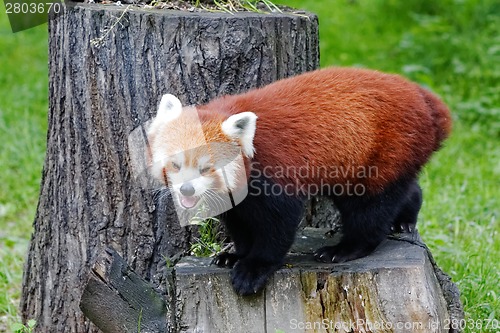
{"x":209,"y":243}
{"x":452,"y":47}
{"x":23,"y":113}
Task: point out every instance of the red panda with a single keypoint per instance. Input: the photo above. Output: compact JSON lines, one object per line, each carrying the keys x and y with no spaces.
{"x":357,"y":135}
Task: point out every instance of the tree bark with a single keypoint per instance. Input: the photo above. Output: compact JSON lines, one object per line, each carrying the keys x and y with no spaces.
{"x":107,"y":71}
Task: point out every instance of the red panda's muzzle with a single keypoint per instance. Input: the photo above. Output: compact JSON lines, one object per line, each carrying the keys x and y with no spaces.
{"x":186,"y":196}
{"x":188,"y":202}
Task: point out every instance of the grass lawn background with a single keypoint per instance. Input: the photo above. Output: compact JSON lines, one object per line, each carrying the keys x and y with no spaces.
{"x":449,"y":46}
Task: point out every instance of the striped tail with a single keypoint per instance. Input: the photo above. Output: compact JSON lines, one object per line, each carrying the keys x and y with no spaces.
{"x":441,"y":116}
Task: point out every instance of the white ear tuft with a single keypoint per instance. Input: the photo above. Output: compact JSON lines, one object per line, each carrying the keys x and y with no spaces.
{"x":242,"y":127}
{"x":170,"y":108}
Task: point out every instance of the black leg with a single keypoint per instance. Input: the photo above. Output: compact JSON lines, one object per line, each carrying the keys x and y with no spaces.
{"x":241,"y":235}
{"x":366,"y":222}
{"x":263,"y":228}
{"x":406,"y":220}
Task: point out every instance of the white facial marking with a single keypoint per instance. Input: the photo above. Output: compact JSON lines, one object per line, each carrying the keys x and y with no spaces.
{"x":203,"y":161}
{"x":242,"y":127}
{"x":192,"y":176}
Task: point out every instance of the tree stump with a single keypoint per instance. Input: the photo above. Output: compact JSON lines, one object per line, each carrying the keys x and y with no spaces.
{"x":108,"y":67}
{"x":392,"y":290}
{"x":398,"y":288}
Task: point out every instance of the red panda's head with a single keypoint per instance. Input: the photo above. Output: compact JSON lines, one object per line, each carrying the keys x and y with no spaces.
{"x":201,"y":159}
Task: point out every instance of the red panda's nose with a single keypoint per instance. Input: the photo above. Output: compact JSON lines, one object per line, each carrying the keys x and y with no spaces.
{"x":187,"y":189}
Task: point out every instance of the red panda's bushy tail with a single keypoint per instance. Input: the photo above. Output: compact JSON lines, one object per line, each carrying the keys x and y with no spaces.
{"x":441,"y":117}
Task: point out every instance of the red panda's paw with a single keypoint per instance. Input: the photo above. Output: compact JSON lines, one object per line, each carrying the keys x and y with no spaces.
{"x":403,"y":227}
{"x":249,"y":276}
{"x":341,"y":253}
{"x":225,"y":259}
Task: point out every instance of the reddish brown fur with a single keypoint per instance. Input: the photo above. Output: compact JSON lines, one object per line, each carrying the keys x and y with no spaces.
{"x":341,"y":118}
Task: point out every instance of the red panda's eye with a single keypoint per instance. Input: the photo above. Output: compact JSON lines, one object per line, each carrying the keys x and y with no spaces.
{"x":205,"y":170}
{"x":176,"y":166}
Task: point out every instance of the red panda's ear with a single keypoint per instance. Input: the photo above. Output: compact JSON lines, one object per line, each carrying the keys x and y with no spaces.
{"x":170,"y":108}
{"x":242,"y":127}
